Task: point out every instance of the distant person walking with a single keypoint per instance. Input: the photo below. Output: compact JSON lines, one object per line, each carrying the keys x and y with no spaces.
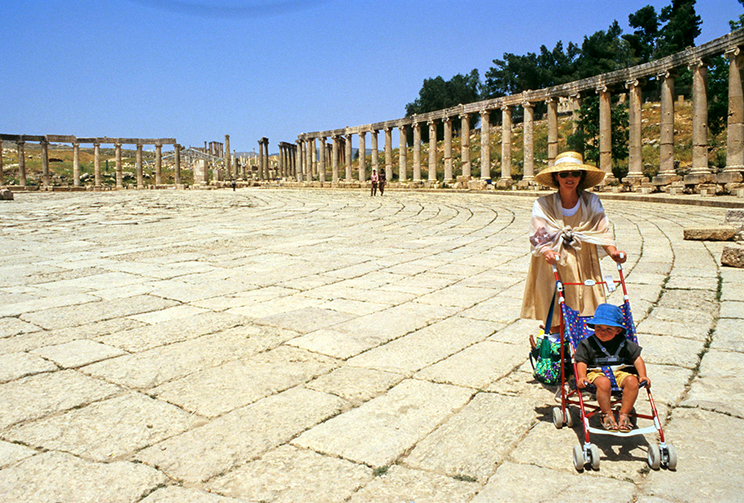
{"x":374,"y":179}
{"x":382,"y":181}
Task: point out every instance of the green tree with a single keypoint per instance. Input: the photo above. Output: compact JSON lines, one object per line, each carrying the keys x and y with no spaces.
{"x":602,"y":52}
{"x":437,"y":93}
{"x":643,"y":41}
{"x":514,"y":74}
{"x":737,"y":24}
{"x":681,"y":28}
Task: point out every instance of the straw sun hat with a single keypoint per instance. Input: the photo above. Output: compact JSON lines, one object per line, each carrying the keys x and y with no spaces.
{"x":570,"y":161}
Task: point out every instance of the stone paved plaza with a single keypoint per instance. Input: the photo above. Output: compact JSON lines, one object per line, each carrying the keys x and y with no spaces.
{"x":325,"y":346}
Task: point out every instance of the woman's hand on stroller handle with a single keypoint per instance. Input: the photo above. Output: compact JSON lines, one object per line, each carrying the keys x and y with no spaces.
{"x":551,"y":257}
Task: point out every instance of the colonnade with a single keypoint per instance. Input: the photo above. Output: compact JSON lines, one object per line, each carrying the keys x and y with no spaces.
{"x":44,"y":141}
{"x":630,"y":80}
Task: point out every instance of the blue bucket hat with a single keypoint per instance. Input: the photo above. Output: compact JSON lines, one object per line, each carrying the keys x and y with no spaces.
{"x":607,"y":314}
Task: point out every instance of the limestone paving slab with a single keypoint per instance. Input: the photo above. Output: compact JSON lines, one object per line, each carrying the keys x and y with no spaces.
{"x":13,"y":326}
{"x":305,"y":320}
{"x":401,"y":484}
{"x":108,"y":429}
{"x":78,"y":353}
{"x":719,"y":386}
{"x":81,"y":314}
{"x":379,"y":431}
{"x":11,"y":453}
{"x":15,"y":365}
{"x":709,"y":447}
{"x":424,"y":347}
{"x":176,"y":494}
{"x":40,"y":339}
{"x":288,"y":474}
{"x":728,"y":335}
{"x":217,"y":390}
{"x":43,"y":303}
{"x":52,"y":477}
{"x":476,"y":366}
{"x":355,"y":384}
{"x":670,"y":350}
{"x":39,"y":395}
{"x":732,"y":309}
{"x":475,"y":440}
{"x":169,"y":314}
{"x":241,"y":435}
{"x":528,"y":483}
{"x":355,"y":336}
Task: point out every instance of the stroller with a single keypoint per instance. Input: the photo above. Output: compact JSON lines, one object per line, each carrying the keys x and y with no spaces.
{"x":573,"y":329}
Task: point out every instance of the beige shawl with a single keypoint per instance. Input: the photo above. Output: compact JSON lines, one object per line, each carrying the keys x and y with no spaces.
{"x":548,"y":232}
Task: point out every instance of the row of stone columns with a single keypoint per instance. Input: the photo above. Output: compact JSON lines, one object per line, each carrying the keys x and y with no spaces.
{"x":97,"y":175}
{"x":699,"y":173}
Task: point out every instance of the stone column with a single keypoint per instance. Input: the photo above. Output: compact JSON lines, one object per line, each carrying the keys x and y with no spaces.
{"x":432,"y":170}
{"x":388,"y":153}
{"x":605,"y":130}
{"x":158,"y":164}
{"x":76,"y":164}
{"x":347,"y":154}
{"x":635,"y":134}
{"x":529,"y":141}
{"x":138,"y":167}
{"x":700,"y":171}
{"x":119,"y":174}
{"x":362,"y":157}
{"x":334,"y":159}
{"x":402,"y":154}
{"x":447,"y":149}
{"x":506,"y":145}
{"x":313,"y":158}
{"x":260,"y":160}
{"x":666,"y":133}
{"x":322,"y":160}
{"x":735,"y":134}
{"x":575,"y":107}
{"x":177,"y":164}
{"x":21,"y":163}
{"x":267,"y":160}
{"x":45,"y":163}
{"x":97,"y":164}
{"x":416,"y":151}
{"x":465,"y":144}
{"x":552,"y":130}
{"x":485,"y":157}
{"x":282,"y":174}
{"x":375,"y":160}
{"x":2,"y":173}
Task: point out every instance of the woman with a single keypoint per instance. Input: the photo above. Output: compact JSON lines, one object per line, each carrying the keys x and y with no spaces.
{"x":568,"y":228}
{"x":374,"y":178}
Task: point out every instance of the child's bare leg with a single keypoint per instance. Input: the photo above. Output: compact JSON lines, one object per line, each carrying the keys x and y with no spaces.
{"x":604,"y":392}
{"x":630,"y":393}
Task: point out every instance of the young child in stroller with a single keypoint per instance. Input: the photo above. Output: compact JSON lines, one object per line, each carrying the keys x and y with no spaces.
{"x":609,"y":347}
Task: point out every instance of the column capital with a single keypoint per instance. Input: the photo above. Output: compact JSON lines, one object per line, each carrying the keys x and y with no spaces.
{"x":552,"y":99}
{"x":117,"y":145}
{"x":668,"y":74}
{"x":431,"y":122}
{"x":633,"y":83}
{"x":464,"y":115}
{"x":387,"y":129}
{"x":527,"y":104}
{"x":446,"y":119}
{"x":506,"y":108}
{"x":732,"y":52}
{"x":485,"y":111}
{"x":602,"y":88}
{"x":697,"y":63}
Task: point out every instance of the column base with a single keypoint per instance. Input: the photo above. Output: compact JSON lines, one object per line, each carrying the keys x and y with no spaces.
{"x":504,"y":183}
{"x":635,"y":180}
{"x":665,"y":179}
{"x":699,"y":178}
{"x":730,"y":177}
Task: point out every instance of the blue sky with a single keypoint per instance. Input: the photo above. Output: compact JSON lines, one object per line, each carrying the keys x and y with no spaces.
{"x":199,"y":69}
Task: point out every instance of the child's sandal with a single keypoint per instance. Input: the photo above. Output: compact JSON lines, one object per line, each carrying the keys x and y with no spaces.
{"x":608,"y":421}
{"x":624,"y":425}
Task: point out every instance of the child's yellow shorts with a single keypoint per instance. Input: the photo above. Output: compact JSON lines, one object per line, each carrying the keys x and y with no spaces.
{"x":620,"y":375}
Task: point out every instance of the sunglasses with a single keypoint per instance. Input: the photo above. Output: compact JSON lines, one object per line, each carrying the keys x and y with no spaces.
{"x":566,"y":174}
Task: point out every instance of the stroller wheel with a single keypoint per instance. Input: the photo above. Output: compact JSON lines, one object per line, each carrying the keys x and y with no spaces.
{"x":671,"y":455}
{"x":654,"y":456}
{"x":558,"y":417}
{"x":569,"y":418}
{"x":578,"y":458}
{"x":594,"y":456}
